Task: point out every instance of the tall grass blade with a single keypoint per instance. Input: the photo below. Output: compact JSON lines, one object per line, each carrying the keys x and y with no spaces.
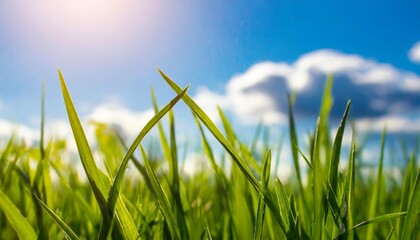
{"x":406,"y":190}
{"x":162,"y":199}
{"x":126,"y":228}
{"x":294,"y":144}
{"x":163,"y":140}
{"x":230,"y":133}
{"x":19,"y":223}
{"x":295,"y":154}
{"x":349,"y":191}
{"x":282,"y":202}
{"x":335,"y":154}
{"x":215,"y":131}
{"x":318,"y":218}
{"x":326,"y":105}
{"x":229,"y":148}
{"x":119,"y":177}
{"x":413,"y":207}
{"x":174,"y":176}
{"x":41,"y":139}
{"x":92,"y":172}
{"x":47,"y":187}
{"x":374,"y":201}
{"x":265,"y":177}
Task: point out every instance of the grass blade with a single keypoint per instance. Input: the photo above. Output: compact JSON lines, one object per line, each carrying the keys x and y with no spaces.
{"x":350,"y":190}
{"x":406,"y":190}
{"x":85,"y":154}
{"x":295,"y":155}
{"x":283,"y":202}
{"x":318,"y":218}
{"x":63,"y":226}
{"x":228,"y":147}
{"x":413,"y":206}
{"x":377,"y":188}
{"x":114,"y":192}
{"x":265,"y":177}
{"x":41,"y":139}
{"x":19,"y":223}
{"x":163,"y":140}
{"x":162,"y":199}
{"x":382,"y":218}
{"x":215,"y":131}
{"x":335,"y":154}
{"x":126,"y":228}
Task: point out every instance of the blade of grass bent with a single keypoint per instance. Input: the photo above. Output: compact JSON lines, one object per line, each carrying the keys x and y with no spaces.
{"x":215,"y":131}
{"x":228,"y":147}
{"x":19,"y":223}
{"x":382,"y":218}
{"x":63,"y":226}
{"x":114,"y":192}
{"x":126,"y":227}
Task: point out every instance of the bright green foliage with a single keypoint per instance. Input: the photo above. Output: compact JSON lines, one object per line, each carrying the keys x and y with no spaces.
{"x":43,"y":196}
{"x":20,"y":224}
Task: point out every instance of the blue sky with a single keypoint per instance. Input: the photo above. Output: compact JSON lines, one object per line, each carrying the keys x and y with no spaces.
{"x":242,"y":55}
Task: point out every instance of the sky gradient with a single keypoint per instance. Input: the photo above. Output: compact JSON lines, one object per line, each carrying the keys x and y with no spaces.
{"x":242,"y":55}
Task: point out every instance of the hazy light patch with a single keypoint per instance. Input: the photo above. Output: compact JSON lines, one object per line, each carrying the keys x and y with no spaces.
{"x":80,"y":30}
{"x":195,"y":162}
{"x":414,"y":53}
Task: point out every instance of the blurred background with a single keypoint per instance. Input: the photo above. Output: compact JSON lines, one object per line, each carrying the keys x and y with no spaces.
{"x":244,"y":56}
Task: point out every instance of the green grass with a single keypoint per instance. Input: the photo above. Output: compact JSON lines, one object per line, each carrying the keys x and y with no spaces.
{"x":42,"y":196}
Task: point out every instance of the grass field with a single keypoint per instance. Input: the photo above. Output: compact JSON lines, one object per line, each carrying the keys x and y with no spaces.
{"x":43,"y":197}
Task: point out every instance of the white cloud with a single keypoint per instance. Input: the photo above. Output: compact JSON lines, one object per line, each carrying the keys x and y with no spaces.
{"x":376,"y":89}
{"x":8,"y":128}
{"x":414,"y":53}
{"x":209,"y":101}
{"x":393,"y":124}
{"x":128,"y":121}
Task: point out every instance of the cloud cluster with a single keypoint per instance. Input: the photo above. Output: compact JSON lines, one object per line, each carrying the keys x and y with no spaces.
{"x":377,"y":90}
{"x":414,"y":53}
{"x":127,"y":121}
